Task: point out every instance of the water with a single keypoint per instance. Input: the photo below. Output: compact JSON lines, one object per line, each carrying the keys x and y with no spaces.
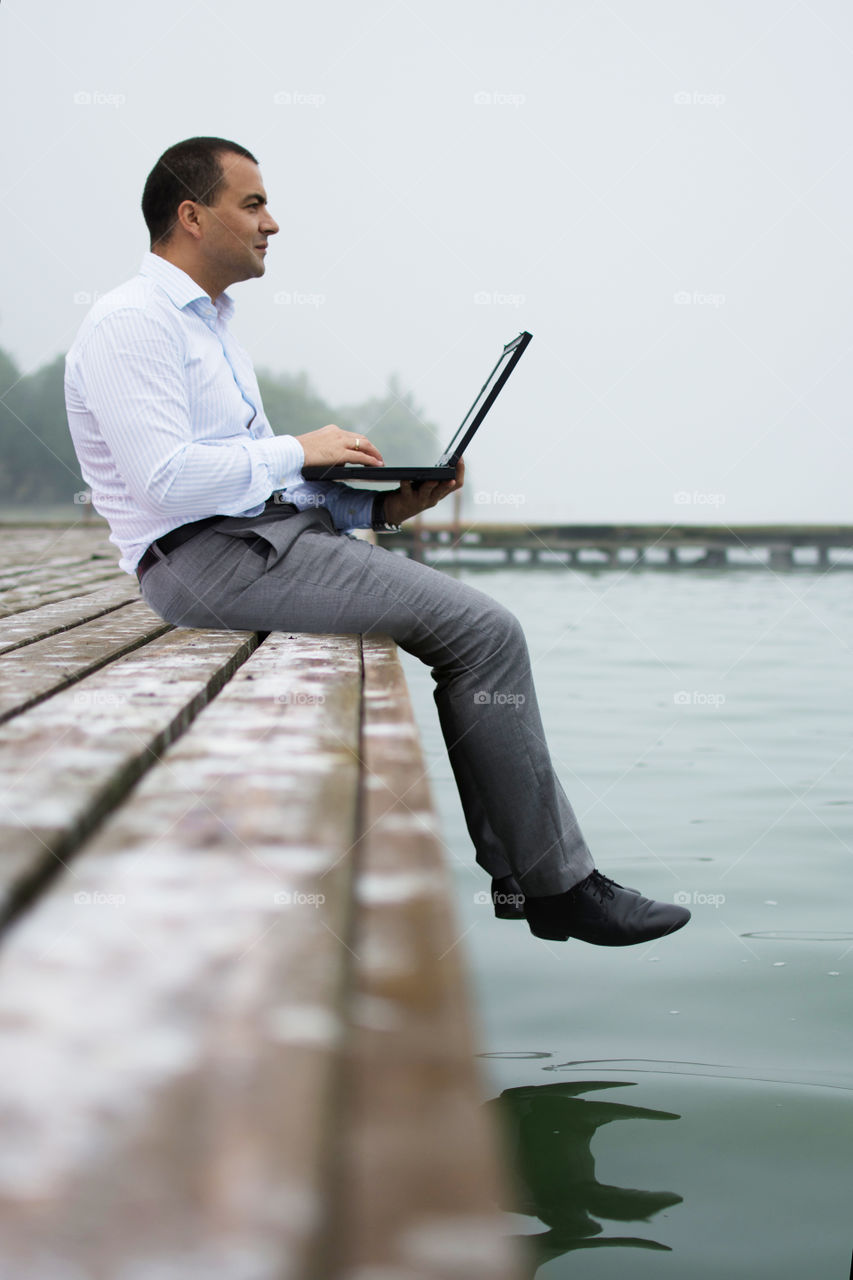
{"x":680,"y":1109}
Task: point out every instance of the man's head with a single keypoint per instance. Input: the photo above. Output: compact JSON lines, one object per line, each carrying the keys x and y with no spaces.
{"x":205,"y":208}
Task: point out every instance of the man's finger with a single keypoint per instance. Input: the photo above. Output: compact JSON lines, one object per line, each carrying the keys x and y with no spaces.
{"x":367,"y":454}
{"x":361,"y":444}
{"x":364,"y":459}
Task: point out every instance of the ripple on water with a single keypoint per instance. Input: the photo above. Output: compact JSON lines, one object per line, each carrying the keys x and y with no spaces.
{"x":670,"y":857}
{"x":800,"y":935}
{"x":712,"y":1070}
{"x":521,"y":1053}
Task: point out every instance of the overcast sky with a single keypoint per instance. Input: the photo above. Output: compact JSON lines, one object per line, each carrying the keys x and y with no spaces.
{"x":659,"y":190}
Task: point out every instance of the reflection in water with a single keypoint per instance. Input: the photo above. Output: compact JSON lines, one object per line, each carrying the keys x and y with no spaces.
{"x":549,"y":1130}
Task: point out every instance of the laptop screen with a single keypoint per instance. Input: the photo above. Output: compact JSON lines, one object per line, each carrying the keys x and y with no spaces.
{"x":488,"y":394}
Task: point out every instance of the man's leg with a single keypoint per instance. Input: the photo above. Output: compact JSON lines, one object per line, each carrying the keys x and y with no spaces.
{"x":516,"y":810}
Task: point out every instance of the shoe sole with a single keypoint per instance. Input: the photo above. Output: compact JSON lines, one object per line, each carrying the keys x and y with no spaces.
{"x":507,"y":913}
{"x":601,"y":942}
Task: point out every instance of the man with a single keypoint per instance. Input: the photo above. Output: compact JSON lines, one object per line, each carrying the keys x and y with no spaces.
{"x":209,"y":508}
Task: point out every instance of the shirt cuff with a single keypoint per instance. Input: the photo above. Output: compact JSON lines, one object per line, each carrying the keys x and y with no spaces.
{"x":353,"y":508}
{"x":283,"y":457}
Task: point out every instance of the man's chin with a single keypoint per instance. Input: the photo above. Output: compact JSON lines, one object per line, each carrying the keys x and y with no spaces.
{"x":251,"y":269}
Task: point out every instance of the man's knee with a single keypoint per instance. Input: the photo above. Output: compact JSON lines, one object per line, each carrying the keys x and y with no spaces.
{"x":500,"y":633}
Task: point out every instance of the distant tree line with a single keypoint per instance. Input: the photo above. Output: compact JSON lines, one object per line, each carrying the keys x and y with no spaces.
{"x":38,"y":463}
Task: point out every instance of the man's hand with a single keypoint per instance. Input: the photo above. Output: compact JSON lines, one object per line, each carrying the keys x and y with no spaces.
{"x":402,"y":503}
{"x":331,"y":447}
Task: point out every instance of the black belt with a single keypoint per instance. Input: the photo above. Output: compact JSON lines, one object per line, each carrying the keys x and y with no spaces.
{"x":183,"y":533}
{"x":168,"y":542}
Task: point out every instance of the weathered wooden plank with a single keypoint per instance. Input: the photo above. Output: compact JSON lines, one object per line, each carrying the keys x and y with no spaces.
{"x":73,"y":527}
{"x":40,"y":559}
{"x":41,"y":574}
{"x":42,"y":668}
{"x":55,"y":578}
{"x":61,"y":588}
{"x":49,"y":619}
{"x":417,"y":1175}
{"x":168,"y":1037}
{"x":33,"y":571}
{"x":39,"y":565}
{"x":25,"y":551}
{"x":69,"y":760}
{"x":23,"y":544}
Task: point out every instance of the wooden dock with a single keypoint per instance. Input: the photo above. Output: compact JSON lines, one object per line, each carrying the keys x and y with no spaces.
{"x":236,"y":1037}
{"x":626,"y":546}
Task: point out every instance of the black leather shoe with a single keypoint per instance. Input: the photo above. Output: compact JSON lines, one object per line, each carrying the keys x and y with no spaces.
{"x":508,"y":898}
{"x":601,"y":912}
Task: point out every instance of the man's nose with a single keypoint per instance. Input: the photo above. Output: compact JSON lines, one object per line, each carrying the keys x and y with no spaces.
{"x":269,"y":225}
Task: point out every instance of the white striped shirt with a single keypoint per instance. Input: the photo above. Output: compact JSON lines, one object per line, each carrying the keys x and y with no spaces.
{"x":167,"y":420}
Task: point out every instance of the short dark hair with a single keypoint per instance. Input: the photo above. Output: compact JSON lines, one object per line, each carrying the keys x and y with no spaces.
{"x":190,"y":170}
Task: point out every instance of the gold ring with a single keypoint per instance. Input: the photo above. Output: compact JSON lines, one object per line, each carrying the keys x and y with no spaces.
{"x":357,"y":444}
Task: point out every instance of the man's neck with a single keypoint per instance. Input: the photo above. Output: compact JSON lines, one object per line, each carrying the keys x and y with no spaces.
{"x":192,"y":268}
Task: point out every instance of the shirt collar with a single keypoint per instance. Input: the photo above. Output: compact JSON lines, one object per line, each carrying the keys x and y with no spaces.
{"x":180,"y":288}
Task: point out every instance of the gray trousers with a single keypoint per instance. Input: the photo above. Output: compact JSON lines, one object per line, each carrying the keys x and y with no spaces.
{"x":289,"y":571}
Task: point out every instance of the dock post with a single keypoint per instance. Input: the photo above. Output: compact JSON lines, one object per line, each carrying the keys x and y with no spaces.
{"x":417,"y":538}
{"x":781,"y":558}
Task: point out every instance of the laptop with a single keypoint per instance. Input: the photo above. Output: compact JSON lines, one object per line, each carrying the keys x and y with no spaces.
{"x":445,"y":468}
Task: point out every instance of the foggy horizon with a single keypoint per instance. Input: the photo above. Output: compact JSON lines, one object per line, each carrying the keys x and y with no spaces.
{"x":659,"y":197}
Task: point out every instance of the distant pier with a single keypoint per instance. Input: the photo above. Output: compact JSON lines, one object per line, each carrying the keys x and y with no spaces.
{"x":621,"y":546}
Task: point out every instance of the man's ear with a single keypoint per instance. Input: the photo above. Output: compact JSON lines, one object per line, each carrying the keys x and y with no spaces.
{"x":187,"y":217}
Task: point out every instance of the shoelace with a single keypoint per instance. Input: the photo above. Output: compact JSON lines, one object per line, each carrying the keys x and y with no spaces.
{"x":600,"y":884}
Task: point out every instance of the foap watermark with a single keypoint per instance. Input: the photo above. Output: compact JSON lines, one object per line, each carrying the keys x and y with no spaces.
{"x":83,"y":498}
{"x":308,"y":499}
{"x":97,"y":98}
{"x":485,"y":298}
{"x":294,"y":898}
{"x":484,"y":499}
{"x":695,"y":498}
{"x":697,"y":98}
{"x":697,"y":898}
{"x":698,"y":698}
{"x":697,"y":298}
{"x":85,"y":898}
{"x":498,"y":899}
{"x":300,"y":698}
{"x":500,"y":698}
{"x":86,"y":297}
{"x":298,"y":98}
{"x":292,"y":298}
{"x":498,"y":98}
{"x":99,"y":698}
